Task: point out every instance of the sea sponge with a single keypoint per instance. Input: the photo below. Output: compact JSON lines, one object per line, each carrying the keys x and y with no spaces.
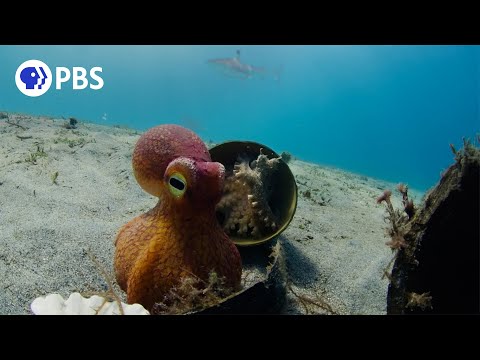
{"x":245,"y":202}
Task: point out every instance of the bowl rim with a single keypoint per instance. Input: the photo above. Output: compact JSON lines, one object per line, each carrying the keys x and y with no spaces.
{"x":244,"y":242}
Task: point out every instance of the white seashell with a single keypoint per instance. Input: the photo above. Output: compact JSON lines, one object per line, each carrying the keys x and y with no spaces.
{"x":76,"y":304}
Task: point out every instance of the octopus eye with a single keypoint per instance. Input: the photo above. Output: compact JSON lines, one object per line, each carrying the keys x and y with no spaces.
{"x":177,"y":184}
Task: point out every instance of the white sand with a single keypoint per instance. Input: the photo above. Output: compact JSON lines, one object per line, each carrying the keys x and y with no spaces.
{"x":335,"y":251}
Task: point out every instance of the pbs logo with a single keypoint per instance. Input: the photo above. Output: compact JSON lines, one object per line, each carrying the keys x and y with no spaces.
{"x":34,"y":78}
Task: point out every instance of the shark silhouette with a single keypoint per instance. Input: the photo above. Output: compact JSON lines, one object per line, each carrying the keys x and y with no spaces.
{"x":235,"y":67}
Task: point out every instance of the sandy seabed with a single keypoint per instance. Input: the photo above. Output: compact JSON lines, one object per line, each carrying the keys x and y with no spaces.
{"x":64,"y":192}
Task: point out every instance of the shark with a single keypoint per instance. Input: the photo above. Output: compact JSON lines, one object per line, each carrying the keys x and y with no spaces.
{"x":235,"y":67}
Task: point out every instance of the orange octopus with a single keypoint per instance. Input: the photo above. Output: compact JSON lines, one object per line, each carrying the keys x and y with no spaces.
{"x":180,"y":236}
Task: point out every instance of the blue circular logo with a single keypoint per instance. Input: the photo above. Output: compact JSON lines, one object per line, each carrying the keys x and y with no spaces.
{"x":33,"y":78}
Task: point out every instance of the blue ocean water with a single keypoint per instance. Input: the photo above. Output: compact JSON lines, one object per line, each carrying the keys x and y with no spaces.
{"x":384,"y":111}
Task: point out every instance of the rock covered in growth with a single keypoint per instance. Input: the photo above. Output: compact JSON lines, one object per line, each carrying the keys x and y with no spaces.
{"x":437,"y":272}
{"x":244,"y":203}
{"x":76,"y":304}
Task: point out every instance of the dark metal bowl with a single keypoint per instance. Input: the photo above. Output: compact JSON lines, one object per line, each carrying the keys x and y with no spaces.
{"x":265,"y":296}
{"x":283,"y":200}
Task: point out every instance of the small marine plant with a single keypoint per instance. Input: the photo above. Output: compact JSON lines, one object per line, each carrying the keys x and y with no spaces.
{"x":468,"y":151}
{"x":54,"y":178}
{"x":32,"y":158}
{"x":398,"y":224}
{"x":14,"y":120}
{"x":311,"y":304}
{"x":422,"y":301}
{"x":73,"y":142}
{"x":111,"y":293}
{"x":192,"y":295}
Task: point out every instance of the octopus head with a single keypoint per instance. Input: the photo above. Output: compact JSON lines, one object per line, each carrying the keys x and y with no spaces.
{"x":197,"y":183}
{"x":173,"y":163}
